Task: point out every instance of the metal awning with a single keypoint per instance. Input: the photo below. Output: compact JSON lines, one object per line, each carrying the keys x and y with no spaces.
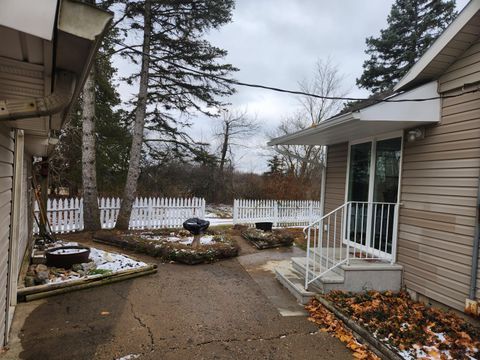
{"x":374,"y":120}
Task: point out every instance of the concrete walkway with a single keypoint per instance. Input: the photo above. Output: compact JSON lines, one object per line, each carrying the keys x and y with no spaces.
{"x":232,"y":309}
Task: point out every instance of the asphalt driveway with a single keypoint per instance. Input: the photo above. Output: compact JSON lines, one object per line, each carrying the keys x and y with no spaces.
{"x":229,"y":309}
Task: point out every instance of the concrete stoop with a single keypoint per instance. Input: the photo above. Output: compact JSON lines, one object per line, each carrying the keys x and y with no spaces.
{"x":358,"y":276}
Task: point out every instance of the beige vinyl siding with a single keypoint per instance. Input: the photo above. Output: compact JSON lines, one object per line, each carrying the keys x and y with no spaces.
{"x":335,"y":186}
{"x":6,"y":179}
{"x":439,"y":194}
{"x":336,"y":176}
{"x":465,"y":70}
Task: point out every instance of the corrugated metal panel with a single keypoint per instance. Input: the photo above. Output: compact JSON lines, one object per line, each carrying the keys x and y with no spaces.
{"x":466,"y":70}
{"x":439,"y":190}
{"x":6,"y":178}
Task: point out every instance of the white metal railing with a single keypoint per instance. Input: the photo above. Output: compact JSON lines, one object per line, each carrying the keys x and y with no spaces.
{"x":66,"y":215}
{"x":280,"y":212}
{"x":355,"y":230}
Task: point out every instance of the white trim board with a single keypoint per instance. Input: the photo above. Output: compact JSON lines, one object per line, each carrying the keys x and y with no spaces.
{"x":376,"y":119}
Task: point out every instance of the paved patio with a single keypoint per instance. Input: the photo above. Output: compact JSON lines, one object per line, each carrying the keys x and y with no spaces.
{"x":230,"y":309}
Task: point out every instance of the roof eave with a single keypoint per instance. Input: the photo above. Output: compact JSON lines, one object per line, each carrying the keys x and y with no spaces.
{"x":409,"y":80}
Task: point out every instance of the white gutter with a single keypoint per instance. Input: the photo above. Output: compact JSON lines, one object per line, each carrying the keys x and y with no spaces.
{"x":51,"y":104}
{"x":316,"y":128}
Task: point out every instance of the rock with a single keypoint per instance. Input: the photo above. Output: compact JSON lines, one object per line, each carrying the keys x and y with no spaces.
{"x":42,"y":277}
{"x":89,"y":266}
{"x":41,"y":267}
{"x":29,"y":281}
{"x":76,"y":267}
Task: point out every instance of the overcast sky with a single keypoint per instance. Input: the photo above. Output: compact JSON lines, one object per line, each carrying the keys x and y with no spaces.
{"x":277,"y":42}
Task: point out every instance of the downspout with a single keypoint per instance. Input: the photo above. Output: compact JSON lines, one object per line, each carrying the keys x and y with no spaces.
{"x":48,"y":105}
{"x":475,"y":250}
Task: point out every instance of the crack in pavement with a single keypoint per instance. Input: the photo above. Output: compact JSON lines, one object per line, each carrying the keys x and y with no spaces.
{"x":139,"y":320}
{"x":283,"y":336}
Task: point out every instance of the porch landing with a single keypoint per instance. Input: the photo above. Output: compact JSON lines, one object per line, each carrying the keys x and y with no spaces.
{"x":359,"y":275}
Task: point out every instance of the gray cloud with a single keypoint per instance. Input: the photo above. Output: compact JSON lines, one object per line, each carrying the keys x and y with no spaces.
{"x":277,"y":42}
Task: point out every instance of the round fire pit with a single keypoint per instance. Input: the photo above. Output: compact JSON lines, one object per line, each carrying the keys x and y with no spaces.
{"x":265,"y":226}
{"x":66,"y":256}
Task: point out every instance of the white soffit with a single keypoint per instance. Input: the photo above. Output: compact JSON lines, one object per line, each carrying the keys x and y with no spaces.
{"x":373,"y":120}
{"x":456,"y":38}
{"x":35,"y":17}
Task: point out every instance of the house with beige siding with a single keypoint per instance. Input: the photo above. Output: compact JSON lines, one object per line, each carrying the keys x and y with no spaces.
{"x":46,"y":51}
{"x":400,"y":189}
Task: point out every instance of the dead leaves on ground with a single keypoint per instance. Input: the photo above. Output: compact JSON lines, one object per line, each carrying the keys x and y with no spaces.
{"x":399,"y":322}
{"x":329,"y":323}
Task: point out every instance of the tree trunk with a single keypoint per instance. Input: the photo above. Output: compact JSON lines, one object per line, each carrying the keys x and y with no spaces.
{"x":91,"y":213}
{"x":223,"y":154}
{"x":137,"y":137}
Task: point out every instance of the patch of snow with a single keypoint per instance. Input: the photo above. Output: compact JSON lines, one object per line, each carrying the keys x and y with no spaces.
{"x":210,"y":215}
{"x":204,"y":240}
{"x":62,"y":243}
{"x":440,"y":336}
{"x":68,"y":251}
{"x":216,"y":221}
{"x":129,"y":357}
{"x":111,"y":261}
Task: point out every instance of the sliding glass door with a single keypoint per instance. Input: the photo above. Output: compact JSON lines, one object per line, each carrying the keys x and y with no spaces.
{"x":385,"y":192}
{"x":358,"y":190}
{"x":373,"y":181}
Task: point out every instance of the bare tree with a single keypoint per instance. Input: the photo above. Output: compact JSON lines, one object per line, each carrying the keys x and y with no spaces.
{"x":326,"y":81}
{"x":305,"y":160}
{"x":234,"y":127}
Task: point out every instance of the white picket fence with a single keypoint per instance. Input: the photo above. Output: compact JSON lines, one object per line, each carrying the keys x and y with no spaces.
{"x":280,"y":212}
{"x":66,"y":215}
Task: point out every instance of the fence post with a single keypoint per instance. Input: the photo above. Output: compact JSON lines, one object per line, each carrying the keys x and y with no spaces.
{"x":275,"y":213}
{"x":235,"y":209}
{"x":310,"y":213}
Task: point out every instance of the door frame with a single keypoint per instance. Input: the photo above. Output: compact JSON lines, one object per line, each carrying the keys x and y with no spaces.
{"x":373,"y":155}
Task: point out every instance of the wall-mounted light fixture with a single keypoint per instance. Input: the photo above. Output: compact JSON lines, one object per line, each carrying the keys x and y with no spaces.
{"x":53,"y":138}
{"x":415,"y":134}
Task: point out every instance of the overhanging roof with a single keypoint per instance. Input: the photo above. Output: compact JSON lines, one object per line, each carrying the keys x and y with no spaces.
{"x":453,"y":42}
{"x":374,"y":120}
{"x":36,"y":71}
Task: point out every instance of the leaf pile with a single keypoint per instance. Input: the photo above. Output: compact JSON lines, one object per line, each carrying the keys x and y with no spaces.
{"x":411,"y":328}
{"x":329,"y":323}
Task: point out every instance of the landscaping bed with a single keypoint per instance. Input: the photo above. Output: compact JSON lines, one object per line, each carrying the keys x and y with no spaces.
{"x":102,"y":267}
{"x":173,"y":244}
{"x":408,"y":329}
{"x":268,"y":239}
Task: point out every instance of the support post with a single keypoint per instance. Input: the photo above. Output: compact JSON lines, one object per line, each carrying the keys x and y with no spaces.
{"x":43,"y":195}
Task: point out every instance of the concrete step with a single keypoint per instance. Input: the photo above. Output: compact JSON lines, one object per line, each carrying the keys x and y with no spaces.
{"x":359,"y":275}
{"x":293,"y":281}
{"x":298,"y":264}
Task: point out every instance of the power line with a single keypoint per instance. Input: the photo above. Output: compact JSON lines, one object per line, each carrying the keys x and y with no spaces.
{"x":294,"y":92}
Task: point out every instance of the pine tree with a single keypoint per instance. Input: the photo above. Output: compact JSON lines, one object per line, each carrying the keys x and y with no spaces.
{"x":173,"y":40}
{"x":413,"y":25}
{"x":275,"y":166}
{"x":112,"y":134}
